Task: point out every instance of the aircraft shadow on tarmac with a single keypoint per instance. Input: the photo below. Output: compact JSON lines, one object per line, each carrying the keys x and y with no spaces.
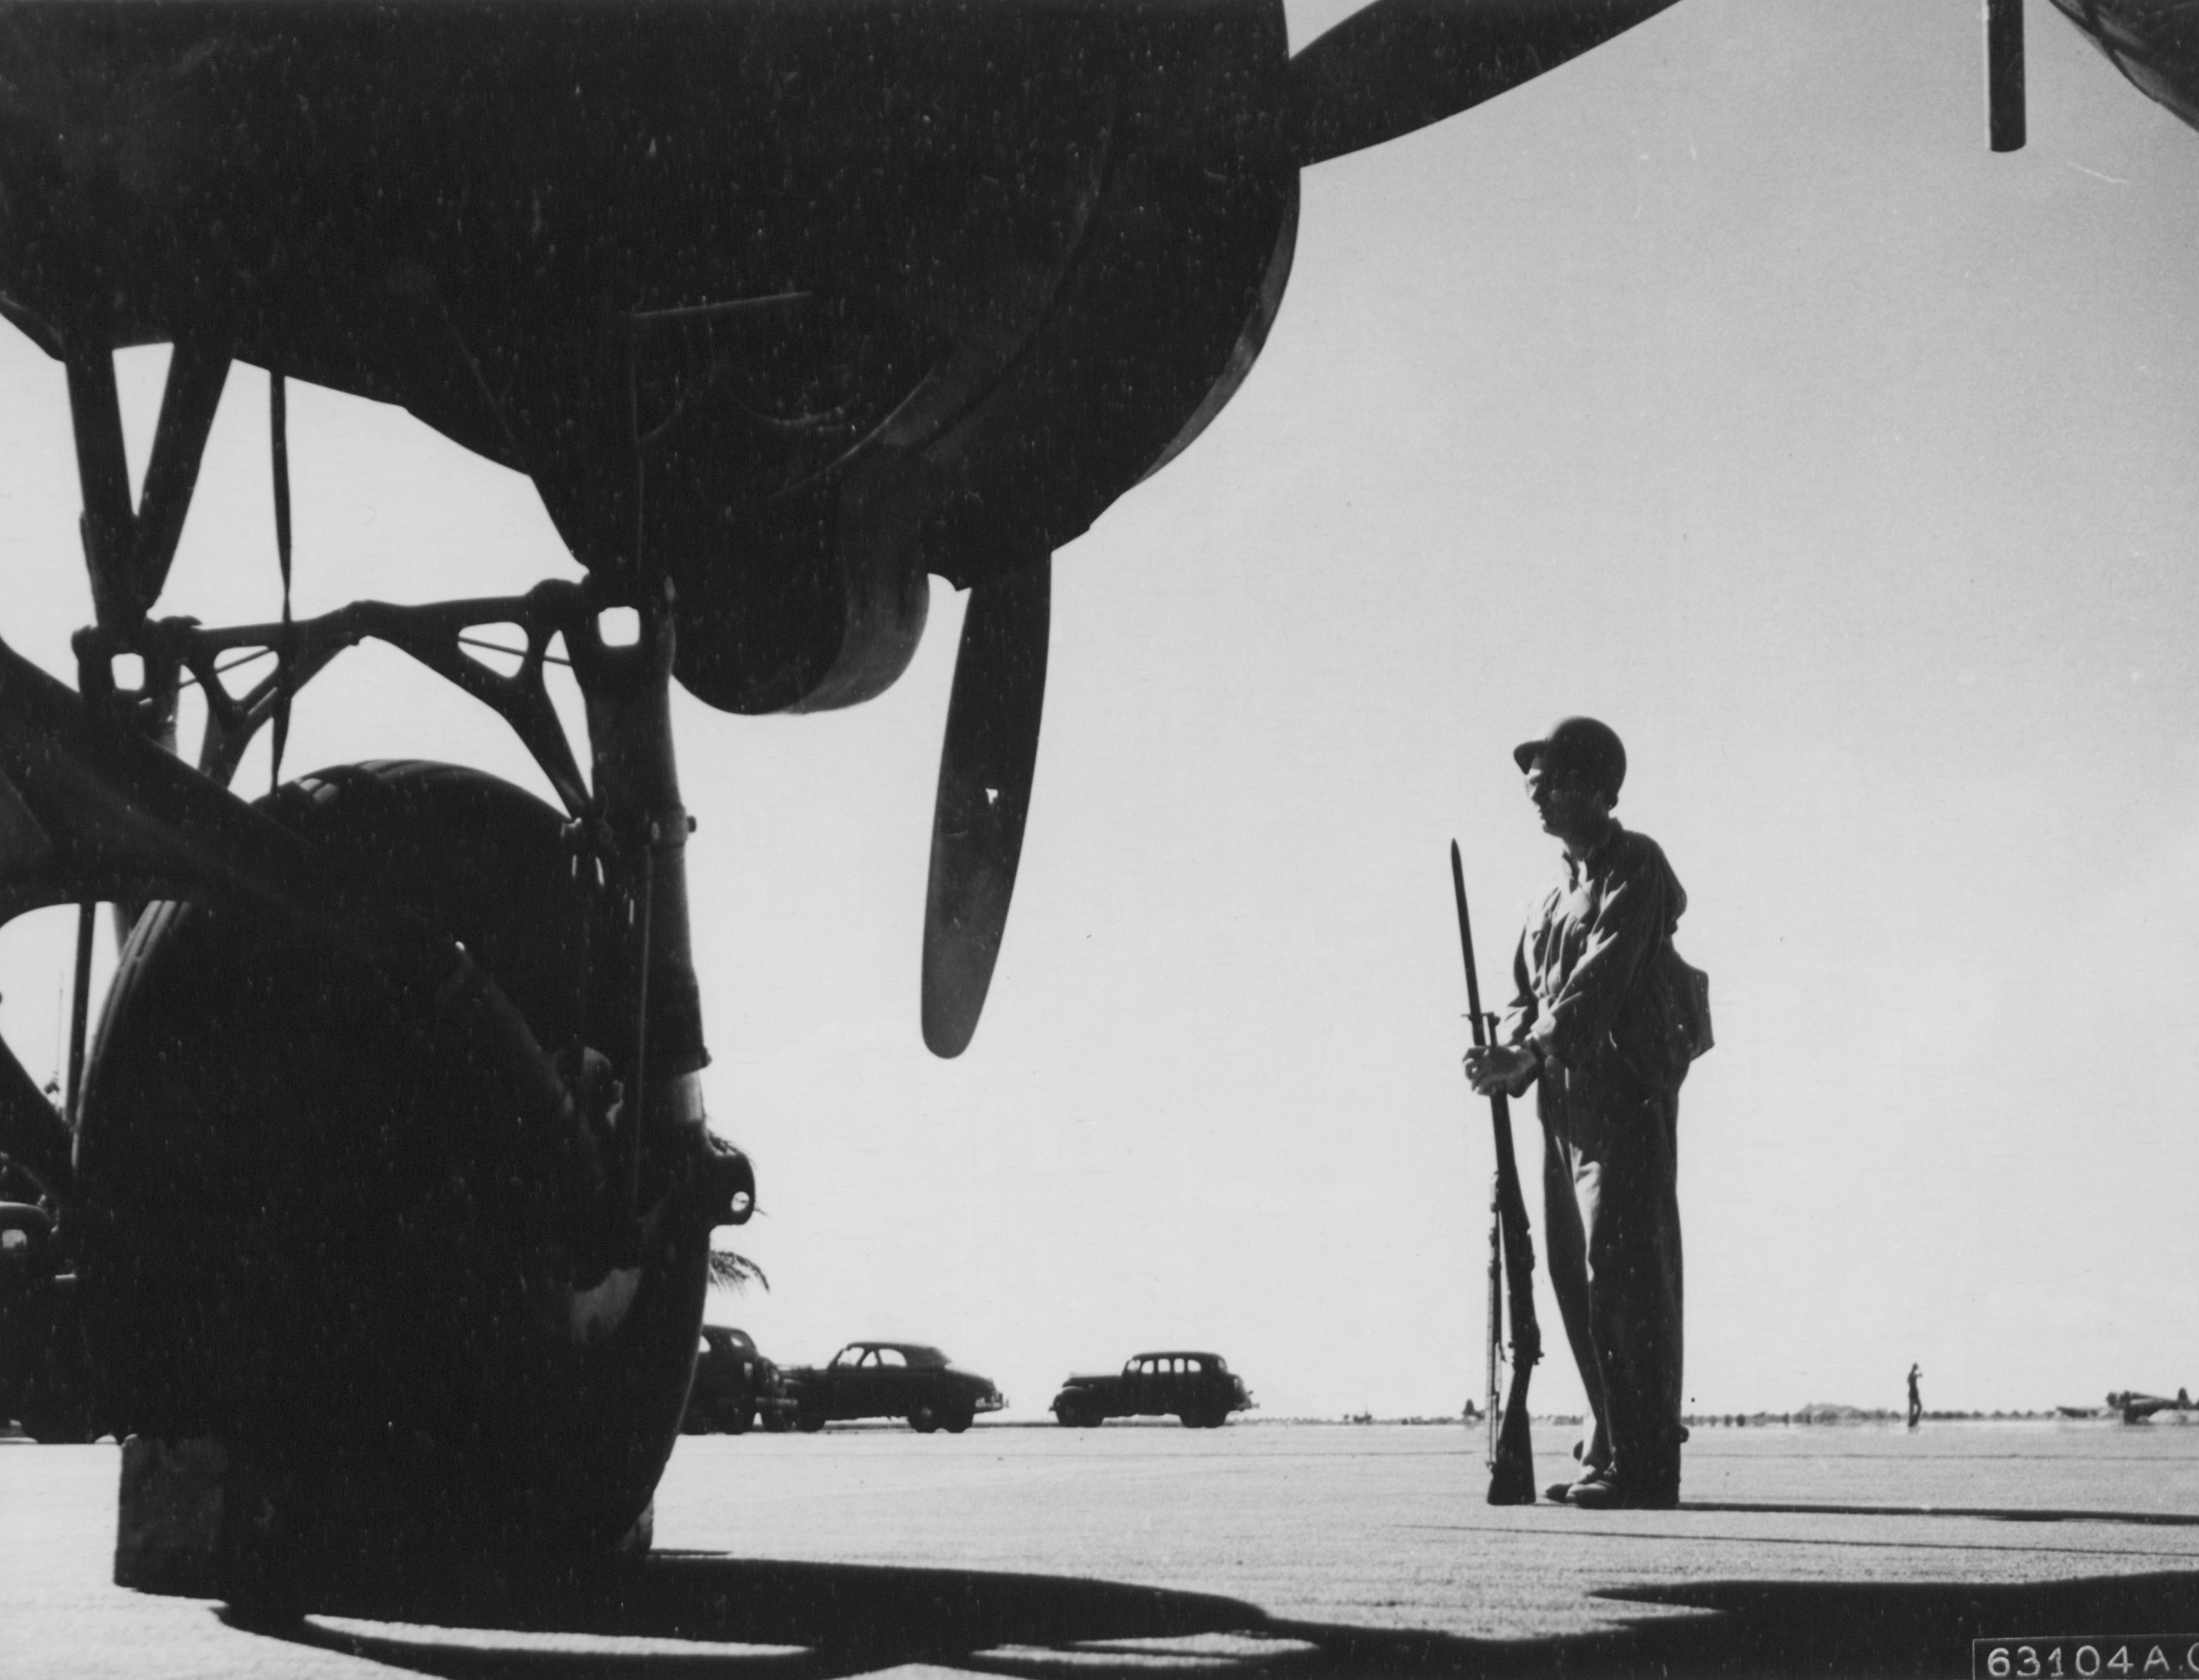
{"x":2013,"y":1513}
{"x":799,"y":1619}
{"x":1780,"y":1628}
{"x":809,"y":1621}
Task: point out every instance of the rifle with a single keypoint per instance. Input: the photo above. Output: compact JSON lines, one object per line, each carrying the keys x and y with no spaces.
{"x":1511,"y":1263}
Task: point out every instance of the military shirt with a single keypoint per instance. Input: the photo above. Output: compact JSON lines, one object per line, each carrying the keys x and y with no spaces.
{"x":1592,"y":975}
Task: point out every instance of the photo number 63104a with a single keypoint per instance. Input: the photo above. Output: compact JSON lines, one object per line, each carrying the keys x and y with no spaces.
{"x":2084,"y":1654}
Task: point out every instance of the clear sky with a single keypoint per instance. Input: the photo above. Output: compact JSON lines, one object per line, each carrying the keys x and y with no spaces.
{"x":1721,"y":384}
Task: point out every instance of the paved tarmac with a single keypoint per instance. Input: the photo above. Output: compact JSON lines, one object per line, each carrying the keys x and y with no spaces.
{"x":1264,"y":1550}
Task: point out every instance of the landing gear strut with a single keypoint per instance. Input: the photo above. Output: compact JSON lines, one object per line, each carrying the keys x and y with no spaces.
{"x":389,"y":1203}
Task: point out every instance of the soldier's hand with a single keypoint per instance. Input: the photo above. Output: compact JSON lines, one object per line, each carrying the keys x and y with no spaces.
{"x":1499,"y":1067}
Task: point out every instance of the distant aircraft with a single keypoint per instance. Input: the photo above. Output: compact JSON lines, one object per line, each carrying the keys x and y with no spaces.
{"x":387,"y":1168}
{"x":2137,"y":1407}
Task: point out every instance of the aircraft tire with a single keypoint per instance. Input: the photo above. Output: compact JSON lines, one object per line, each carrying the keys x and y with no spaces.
{"x":310,"y":1235}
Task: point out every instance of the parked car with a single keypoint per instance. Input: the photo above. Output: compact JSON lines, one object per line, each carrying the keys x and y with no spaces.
{"x":45,"y":1368}
{"x":735,"y":1387}
{"x":1199,"y":1388}
{"x":903,"y":1380}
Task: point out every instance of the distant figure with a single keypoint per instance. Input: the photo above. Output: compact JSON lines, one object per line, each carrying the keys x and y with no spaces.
{"x":1605,"y":1020}
{"x":1915,"y":1400}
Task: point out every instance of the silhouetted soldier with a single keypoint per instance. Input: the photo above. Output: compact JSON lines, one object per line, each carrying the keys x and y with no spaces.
{"x":1604,"y":1020}
{"x":1915,"y":1400}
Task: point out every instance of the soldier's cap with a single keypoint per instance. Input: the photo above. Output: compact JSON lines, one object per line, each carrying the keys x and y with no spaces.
{"x":1579,"y":744}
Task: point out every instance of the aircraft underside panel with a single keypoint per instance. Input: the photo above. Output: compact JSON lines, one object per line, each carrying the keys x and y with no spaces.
{"x":797,"y":302}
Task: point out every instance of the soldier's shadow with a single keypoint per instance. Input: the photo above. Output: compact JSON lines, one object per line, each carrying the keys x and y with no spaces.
{"x":746,"y":1621}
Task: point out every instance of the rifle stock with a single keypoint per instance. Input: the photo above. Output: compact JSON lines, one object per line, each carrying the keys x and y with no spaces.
{"x":1512,"y":1249}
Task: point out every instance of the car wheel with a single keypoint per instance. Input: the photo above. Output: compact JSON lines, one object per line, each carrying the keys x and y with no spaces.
{"x":808,"y":1423}
{"x":737,"y":1422}
{"x":776,"y":1423}
{"x":922,"y":1418}
{"x":957,"y":1422}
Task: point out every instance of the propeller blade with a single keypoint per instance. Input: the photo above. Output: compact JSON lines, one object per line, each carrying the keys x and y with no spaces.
{"x":1399,"y":65}
{"x":2005,"y":116}
{"x":984,"y":795}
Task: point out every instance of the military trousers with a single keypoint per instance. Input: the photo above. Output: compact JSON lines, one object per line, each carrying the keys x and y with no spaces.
{"x":1611,"y":1213}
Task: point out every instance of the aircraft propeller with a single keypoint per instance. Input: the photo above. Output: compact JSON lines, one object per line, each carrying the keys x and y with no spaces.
{"x":1390,"y":67}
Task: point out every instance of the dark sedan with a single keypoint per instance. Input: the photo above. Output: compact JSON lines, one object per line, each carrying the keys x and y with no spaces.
{"x":1198,"y":1388}
{"x":735,"y":1386}
{"x":902,"y":1380}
